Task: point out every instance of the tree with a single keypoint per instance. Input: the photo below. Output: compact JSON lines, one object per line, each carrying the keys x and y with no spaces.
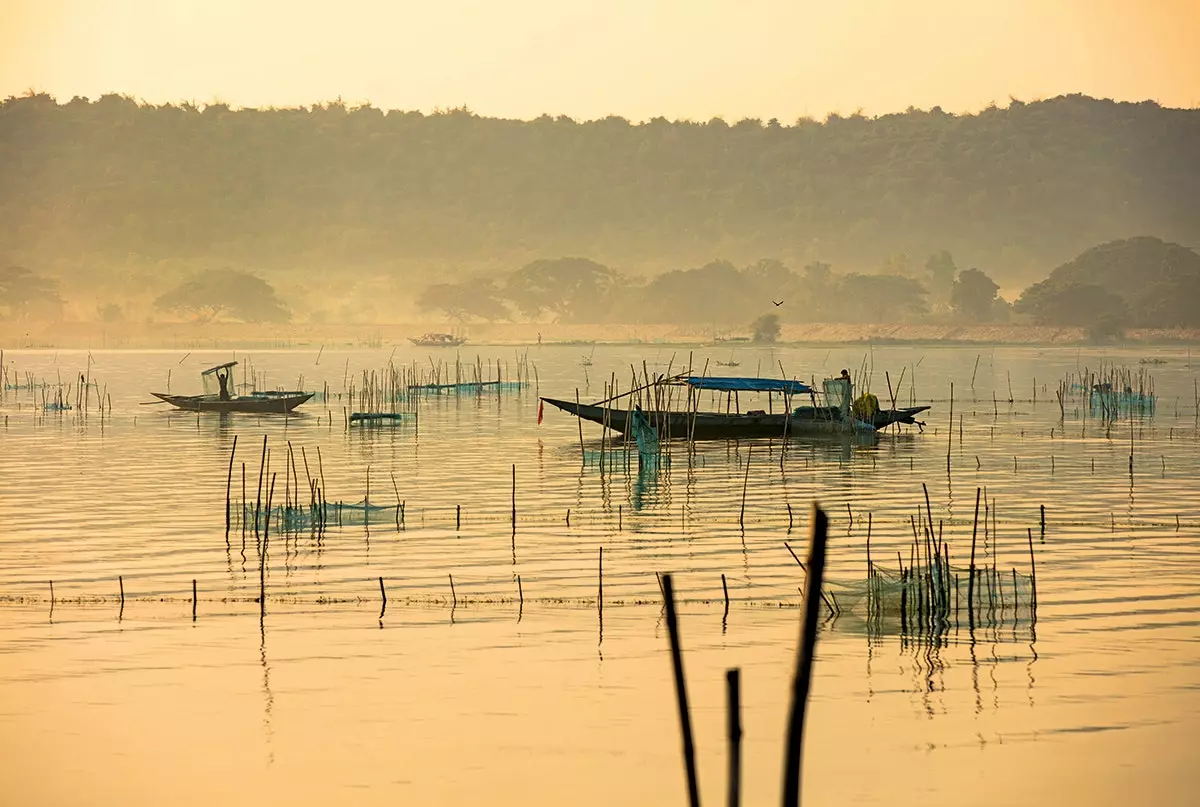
{"x":880,"y":298}
{"x":1139,"y":281}
{"x":477,"y":299}
{"x":766,"y":328}
{"x":941,"y":271}
{"x":24,"y":294}
{"x":1080,"y":304}
{"x":573,"y":289}
{"x":973,"y":295}
{"x":109,"y":312}
{"x":713,"y":293}
{"x":239,"y":295}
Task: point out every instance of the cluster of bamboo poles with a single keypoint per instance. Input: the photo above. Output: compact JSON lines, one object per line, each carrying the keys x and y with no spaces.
{"x":311,"y":509}
{"x":1110,"y":392}
{"x":927,"y":594}
{"x":393,"y":386}
{"x":57,"y":396}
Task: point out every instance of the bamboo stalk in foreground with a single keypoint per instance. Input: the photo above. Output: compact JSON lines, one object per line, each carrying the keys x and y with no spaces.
{"x":685,"y":719}
{"x":804,"y":657}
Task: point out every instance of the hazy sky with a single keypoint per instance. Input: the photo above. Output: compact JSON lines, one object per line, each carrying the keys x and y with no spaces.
{"x":636,"y":58}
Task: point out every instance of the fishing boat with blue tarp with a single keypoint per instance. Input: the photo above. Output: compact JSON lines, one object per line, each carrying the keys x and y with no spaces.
{"x":837,"y":414}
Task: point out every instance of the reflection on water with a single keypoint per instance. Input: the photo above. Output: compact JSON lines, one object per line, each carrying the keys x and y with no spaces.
{"x":472,"y":689}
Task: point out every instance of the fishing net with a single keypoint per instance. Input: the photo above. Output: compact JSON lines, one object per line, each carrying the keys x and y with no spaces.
{"x":645,"y":435}
{"x":934,"y":596}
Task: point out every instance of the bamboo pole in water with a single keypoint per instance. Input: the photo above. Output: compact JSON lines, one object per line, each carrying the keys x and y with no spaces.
{"x":229,"y":488}
{"x":971,"y":579}
{"x":579,"y":421}
{"x":802,"y":676}
{"x":685,"y":718}
{"x":262,"y":464}
{"x":733,"y":680}
{"x":745,"y":485}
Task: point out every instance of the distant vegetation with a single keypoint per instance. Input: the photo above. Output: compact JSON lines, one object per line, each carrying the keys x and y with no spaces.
{"x":1141,"y":282}
{"x":355,"y":214}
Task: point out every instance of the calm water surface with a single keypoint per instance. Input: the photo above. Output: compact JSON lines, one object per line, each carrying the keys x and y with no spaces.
{"x":493,"y":700}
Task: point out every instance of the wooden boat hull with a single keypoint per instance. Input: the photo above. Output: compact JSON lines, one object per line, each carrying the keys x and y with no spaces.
{"x":707,"y":425}
{"x":254,"y":404}
{"x":717,"y":426}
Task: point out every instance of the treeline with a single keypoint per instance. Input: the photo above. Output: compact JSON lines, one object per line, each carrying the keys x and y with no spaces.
{"x":1136,"y":282}
{"x":113,"y":186}
{"x":579,"y":290}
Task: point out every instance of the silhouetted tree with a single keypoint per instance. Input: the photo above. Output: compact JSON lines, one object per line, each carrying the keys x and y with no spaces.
{"x":1081,"y":304}
{"x":24,"y":294}
{"x":880,"y":298}
{"x":239,"y":295}
{"x":573,"y":289}
{"x":478,"y":298}
{"x":973,"y":295}
{"x":715,"y":293}
{"x":766,"y":328}
{"x":941,"y":271}
{"x":1139,"y":281}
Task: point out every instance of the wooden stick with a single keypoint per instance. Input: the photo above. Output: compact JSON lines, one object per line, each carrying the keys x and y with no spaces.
{"x":685,"y":719}
{"x":971,"y":579}
{"x":383,"y":595}
{"x":733,"y":680}
{"x":579,"y":421}
{"x":1032,"y":570}
{"x":745,"y":484}
{"x":229,"y":488}
{"x":802,"y":677}
{"x":262,"y":464}
{"x":600,"y":582}
{"x":194,"y":596}
{"x":453,"y":595}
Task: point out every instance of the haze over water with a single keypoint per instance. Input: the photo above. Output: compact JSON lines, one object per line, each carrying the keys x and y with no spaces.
{"x":325,"y":700}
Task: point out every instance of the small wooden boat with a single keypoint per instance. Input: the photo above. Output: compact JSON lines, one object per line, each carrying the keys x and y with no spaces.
{"x":437,"y":340}
{"x":261,"y":403}
{"x":221,"y":401}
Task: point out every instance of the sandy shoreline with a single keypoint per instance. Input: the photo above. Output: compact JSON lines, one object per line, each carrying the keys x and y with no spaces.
{"x":68,"y":335}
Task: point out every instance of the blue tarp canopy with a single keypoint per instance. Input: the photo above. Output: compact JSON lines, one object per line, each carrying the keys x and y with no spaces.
{"x":748,"y":384}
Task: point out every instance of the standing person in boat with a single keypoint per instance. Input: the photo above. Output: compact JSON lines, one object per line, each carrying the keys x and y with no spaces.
{"x":223,"y":380}
{"x":845,"y":375}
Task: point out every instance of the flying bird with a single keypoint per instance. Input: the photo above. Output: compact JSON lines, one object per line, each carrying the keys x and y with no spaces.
{"x":778,"y":303}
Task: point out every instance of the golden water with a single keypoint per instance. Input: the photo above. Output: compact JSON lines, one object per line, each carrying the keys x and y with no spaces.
{"x":490,"y":701}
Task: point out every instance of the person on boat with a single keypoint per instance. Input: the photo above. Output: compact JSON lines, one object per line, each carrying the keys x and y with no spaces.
{"x":845,"y":376}
{"x":223,"y":380}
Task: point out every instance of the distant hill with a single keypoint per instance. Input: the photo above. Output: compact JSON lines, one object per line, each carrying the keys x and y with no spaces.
{"x":112,"y":187}
{"x":1142,"y":282}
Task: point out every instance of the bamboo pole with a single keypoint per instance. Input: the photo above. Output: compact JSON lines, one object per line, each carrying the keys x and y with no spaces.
{"x":685,"y":719}
{"x":229,"y":488}
{"x":733,"y":680}
{"x":802,"y":676}
{"x":745,"y":485}
{"x":971,"y":579}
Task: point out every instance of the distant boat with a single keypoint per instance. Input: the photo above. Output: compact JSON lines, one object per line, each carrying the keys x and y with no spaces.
{"x":437,"y":340}
{"x":213,"y":401}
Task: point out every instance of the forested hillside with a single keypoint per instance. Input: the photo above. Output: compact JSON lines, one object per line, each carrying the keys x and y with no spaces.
{"x":114,"y":187}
